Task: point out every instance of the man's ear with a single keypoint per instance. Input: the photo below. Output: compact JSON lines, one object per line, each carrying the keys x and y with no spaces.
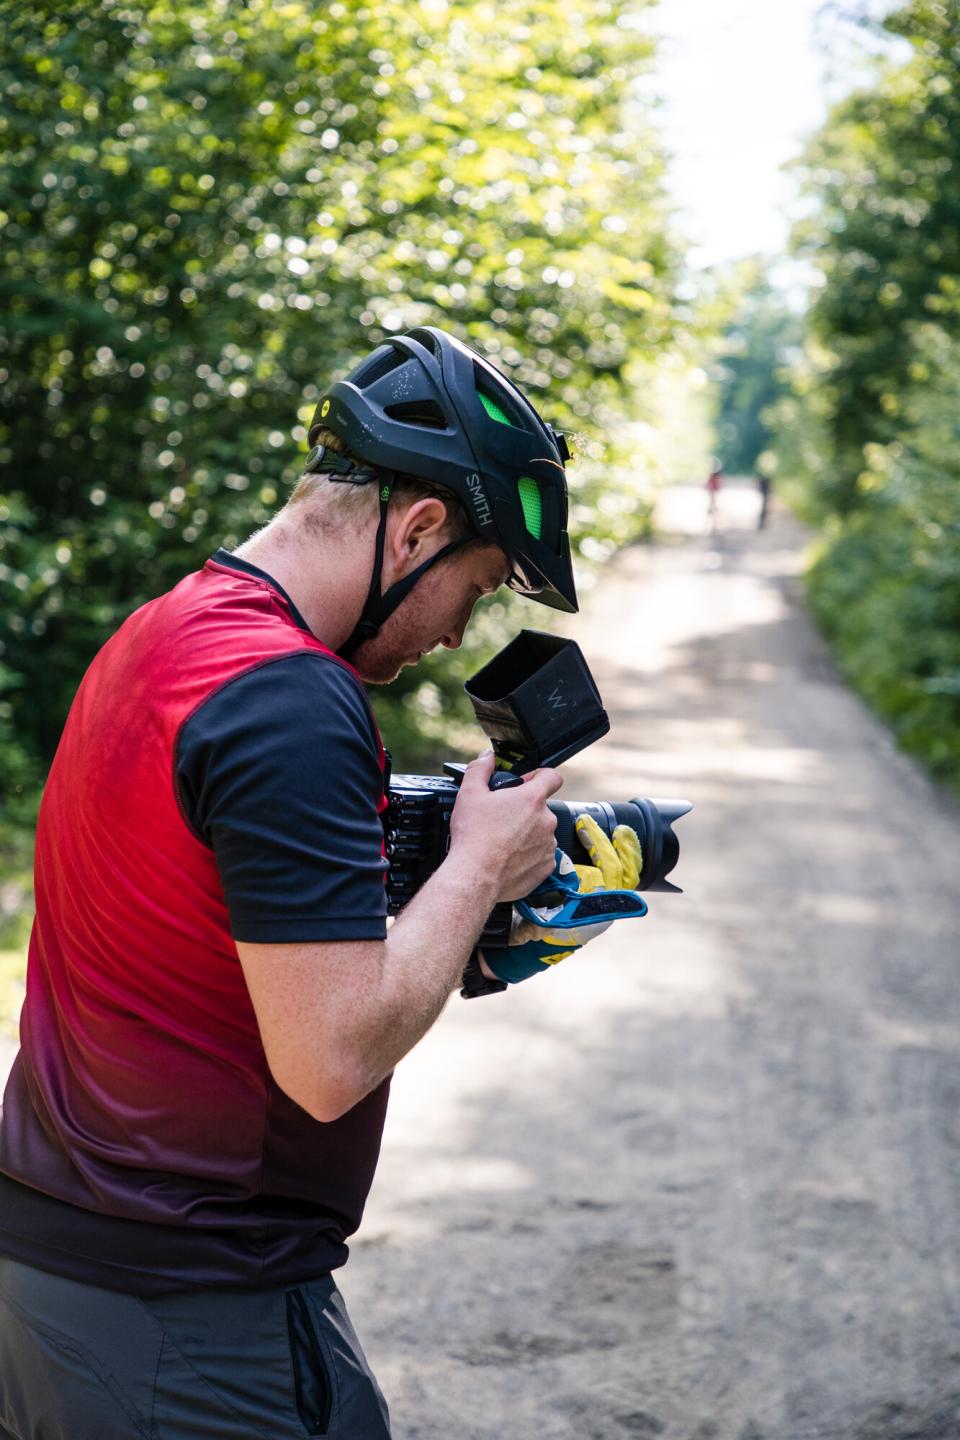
{"x":419,"y":531}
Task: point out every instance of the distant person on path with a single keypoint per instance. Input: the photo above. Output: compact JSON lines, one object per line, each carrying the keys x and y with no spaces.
{"x":714,"y":486}
{"x":764,"y":487}
{"x":214,"y":1003}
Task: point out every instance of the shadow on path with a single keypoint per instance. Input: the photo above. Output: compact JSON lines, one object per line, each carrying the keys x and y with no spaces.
{"x":703,"y":1180}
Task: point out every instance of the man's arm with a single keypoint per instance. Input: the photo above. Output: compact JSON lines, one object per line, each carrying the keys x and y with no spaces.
{"x":336,"y":1017}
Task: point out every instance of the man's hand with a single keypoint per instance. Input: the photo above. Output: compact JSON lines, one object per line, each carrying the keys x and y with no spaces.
{"x":336,"y":1017}
{"x":506,"y":836}
{"x":533,"y":949}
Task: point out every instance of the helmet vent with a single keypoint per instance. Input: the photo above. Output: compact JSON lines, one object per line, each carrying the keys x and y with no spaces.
{"x":497,"y":403}
{"x":532,"y":505}
{"x":424,"y":337}
{"x":493,"y":409}
{"x":425,"y":413}
{"x":381,"y":362}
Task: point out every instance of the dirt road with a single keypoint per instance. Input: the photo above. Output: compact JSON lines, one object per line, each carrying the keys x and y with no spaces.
{"x":701,"y":1182}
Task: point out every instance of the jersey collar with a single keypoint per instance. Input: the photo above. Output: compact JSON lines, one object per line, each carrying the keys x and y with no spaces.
{"x":234,"y":562}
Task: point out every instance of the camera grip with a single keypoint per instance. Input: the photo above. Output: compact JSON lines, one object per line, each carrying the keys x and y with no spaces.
{"x":505,"y":780}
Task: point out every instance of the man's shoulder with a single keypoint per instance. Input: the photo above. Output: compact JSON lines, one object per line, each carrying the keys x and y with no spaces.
{"x":217,"y":623}
{"x":303,"y":691}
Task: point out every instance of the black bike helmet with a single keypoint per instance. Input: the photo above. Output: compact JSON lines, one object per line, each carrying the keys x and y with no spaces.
{"x":428,"y":406}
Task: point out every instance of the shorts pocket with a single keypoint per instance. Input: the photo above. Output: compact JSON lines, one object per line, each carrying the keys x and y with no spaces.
{"x":311,"y":1375}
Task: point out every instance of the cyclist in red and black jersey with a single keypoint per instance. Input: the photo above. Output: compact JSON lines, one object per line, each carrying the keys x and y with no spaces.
{"x":214,"y":1005}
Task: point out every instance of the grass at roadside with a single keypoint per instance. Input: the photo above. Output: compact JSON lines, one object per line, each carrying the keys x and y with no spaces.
{"x":12,"y":969}
{"x":16,"y":917}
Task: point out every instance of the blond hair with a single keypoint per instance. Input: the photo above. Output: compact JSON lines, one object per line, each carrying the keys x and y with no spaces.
{"x":337,"y":502}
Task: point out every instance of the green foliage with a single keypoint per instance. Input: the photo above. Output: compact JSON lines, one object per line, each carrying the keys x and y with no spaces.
{"x":750,"y":373}
{"x":17,"y":820}
{"x":884,"y":179}
{"x":887,"y":587}
{"x":868,"y":436}
{"x":210,"y":209}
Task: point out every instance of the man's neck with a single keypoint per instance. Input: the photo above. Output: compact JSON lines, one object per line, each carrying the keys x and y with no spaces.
{"x":324,"y":576}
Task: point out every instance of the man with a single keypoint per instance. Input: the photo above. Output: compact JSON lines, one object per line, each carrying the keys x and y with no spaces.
{"x":214,"y":1004}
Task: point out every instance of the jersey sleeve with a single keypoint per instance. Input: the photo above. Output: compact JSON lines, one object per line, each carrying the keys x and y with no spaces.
{"x":279,"y":773}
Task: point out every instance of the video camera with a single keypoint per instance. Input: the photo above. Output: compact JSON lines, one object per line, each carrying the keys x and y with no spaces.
{"x":538,"y":703}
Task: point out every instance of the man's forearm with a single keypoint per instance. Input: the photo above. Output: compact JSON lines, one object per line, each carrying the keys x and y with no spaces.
{"x":424,"y":956}
{"x":336,"y":1017}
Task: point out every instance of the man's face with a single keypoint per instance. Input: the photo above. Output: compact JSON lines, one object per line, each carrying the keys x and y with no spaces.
{"x":434,"y":613}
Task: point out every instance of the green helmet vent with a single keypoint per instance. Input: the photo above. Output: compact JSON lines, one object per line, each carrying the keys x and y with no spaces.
{"x":492,"y":408}
{"x":532,"y":506}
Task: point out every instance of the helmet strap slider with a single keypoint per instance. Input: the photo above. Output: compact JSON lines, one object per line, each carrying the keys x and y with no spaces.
{"x":322,"y":460}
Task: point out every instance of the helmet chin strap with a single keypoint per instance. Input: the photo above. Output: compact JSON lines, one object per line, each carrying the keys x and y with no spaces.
{"x":377,"y":607}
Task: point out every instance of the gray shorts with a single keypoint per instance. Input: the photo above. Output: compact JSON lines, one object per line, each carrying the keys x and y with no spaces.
{"x":81,"y":1363}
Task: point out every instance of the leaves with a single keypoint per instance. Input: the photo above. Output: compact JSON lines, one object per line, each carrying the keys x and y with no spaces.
{"x":211,"y":209}
{"x":751,"y":372}
{"x":870,"y":427}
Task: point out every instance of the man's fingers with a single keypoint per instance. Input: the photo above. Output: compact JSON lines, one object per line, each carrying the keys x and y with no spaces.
{"x":627,"y":845}
{"x":549,"y":781}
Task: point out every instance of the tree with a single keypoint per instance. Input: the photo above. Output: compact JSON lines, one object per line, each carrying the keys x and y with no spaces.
{"x":210,"y":209}
{"x":750,"y":372}
{"x":884,"y":178}
{"x":870,"y":424}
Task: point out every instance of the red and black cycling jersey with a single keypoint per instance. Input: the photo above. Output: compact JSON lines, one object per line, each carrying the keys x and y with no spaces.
{"x":219,"y":778}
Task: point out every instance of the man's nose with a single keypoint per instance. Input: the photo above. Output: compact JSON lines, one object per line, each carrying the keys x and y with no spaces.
{"x":454,"y":636}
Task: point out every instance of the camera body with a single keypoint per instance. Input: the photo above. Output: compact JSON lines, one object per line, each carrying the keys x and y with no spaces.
{"x":538,"y":703}
{"x":417,"y":828}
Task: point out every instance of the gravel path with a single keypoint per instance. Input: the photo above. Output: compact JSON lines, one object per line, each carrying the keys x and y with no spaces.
{"x":701,"y":1182}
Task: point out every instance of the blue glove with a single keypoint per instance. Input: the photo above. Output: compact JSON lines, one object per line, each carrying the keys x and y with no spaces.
{"x":532,"y":947}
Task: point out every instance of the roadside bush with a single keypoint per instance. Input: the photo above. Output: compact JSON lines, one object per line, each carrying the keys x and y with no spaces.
{"x":886,"y":588}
